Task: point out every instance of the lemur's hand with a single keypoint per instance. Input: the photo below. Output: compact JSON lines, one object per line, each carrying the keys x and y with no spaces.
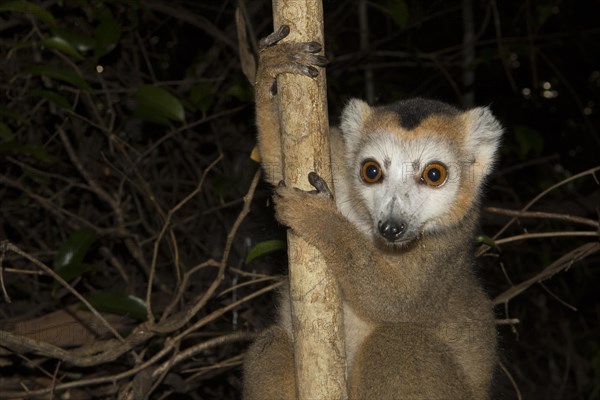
{"x":304,"y":211}
{"x":279,"y":58}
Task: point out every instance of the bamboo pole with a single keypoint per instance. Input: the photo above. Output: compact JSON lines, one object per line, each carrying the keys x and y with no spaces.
{"x":317,"y":316}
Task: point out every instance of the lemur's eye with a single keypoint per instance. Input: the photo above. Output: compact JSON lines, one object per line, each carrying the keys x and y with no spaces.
{"x":434,"y":174}
{"x":370,"y":171}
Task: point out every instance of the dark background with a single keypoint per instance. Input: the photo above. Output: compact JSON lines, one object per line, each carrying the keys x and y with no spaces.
{"x":94,"y":164}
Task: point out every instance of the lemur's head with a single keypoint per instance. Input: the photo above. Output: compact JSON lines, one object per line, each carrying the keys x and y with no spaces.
{"x":417,"y":165}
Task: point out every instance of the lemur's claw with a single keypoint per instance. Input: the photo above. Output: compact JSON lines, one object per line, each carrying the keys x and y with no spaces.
{"x":321,"y":61}
{"x":318,"y":183}
{"x":311,"y":71}
{"x":313,"y":47}
{"x":274,"y":37}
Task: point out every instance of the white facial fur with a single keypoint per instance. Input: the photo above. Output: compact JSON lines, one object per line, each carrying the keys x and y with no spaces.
{"x":401,"y":195}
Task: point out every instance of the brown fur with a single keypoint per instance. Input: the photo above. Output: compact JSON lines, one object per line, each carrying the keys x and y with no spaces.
{"x":418,"y":324}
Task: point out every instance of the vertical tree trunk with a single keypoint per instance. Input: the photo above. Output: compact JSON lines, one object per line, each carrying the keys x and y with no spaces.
{"x":317,"y":315}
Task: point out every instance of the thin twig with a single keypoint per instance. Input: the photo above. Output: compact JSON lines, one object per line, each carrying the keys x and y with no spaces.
{"x":484,"y":248}
{"x":103,"y":194}
{"x":175,"y":324}
{"x":54,"y":379}
{"x":192,"y":351}
{"x":142,"y":48}
{"x":501,"y":51}
{"x":544,"y":215}
{"x":526,"y":236}
{"x":184,"y":284}
{"x":564,"y":262}
{"x":166,"y":226}
{"x":7,"y":246}
{"x":4,"y":291}
{"x":247,"y":283}
{"x":512,"y":381}
{"x":223,"y":310}
{"x":363,"y":23}
{"x":508,"y":321}
{"x":184,"y":128}
{"x":555,"y":296}
{"x":168,"y":347}
{"x":591,"y":171}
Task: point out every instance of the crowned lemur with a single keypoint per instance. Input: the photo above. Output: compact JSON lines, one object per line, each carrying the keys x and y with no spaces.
{"x":398,"y":237}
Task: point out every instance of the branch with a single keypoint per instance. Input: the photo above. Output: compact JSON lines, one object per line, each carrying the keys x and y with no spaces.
{"x":526,"y":236}
{"x":7,"y":246}
{"x":562,"y":263}
{"x":543,"y":215}
{"x":591,"y":171}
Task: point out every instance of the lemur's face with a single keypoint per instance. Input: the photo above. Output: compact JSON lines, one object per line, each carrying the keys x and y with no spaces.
{"x":416,"y":166}
{"x":407,"y":185}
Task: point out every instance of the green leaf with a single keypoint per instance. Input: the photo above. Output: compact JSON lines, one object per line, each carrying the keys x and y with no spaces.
{"x":8,"y":113}
{"x":53,"y":97}
{"x":155,"y":104}
{"x":68,"y":262}
{"x":262,"y":248}
{"x":483,"y":239}
{"x":29,"y":8}
{"x":120,"y":304}
{"x":107,"y":34}
{"x":79,"y":42}
{"x":399,"y":12}
{"x":72,"y":271}
{"x":59,"y":74}
{"x":61,"y":45}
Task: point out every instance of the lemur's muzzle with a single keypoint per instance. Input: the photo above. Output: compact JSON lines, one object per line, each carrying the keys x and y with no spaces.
{"x":391,"y":230}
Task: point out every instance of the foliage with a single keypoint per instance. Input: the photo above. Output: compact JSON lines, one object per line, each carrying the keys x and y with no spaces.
{"x":126,"y":129}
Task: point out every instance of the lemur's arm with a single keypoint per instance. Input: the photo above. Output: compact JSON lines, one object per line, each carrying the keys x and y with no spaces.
{"x":295,"y":58}
{"x":379,"y":284}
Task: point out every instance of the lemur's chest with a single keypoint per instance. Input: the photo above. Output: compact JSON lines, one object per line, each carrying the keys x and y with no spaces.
{"x":356,"y":331}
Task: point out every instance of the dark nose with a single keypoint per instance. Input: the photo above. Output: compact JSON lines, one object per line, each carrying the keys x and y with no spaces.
{"x":391,"y":230}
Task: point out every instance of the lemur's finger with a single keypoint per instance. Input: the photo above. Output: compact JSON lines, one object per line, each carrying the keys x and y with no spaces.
{"x":319,"y":184}
{"x":310,"y":59}
{"x":320,"y":61}
{"x":312,"y":47}
{"x":310,"y":71}
{"x":295,"y":67}
{"x":274,"y":37}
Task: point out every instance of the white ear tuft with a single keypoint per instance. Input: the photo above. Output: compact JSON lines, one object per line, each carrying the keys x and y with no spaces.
{"x":353,"y":117}
{"x":483,"y":138}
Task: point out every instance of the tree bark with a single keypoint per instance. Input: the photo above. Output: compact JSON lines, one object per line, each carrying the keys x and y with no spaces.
{"x":316,"y":308}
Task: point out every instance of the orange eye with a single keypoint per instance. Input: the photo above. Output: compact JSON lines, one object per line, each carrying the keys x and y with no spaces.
{"x":370,"y":172}
{"x":434,"y":174}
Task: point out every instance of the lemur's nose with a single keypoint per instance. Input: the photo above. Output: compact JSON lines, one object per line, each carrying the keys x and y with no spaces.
{"x":391,"y":230}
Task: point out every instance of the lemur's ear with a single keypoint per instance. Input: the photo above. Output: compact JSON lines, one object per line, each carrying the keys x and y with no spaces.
{"x":354,"y":116}
{"x":483,"y":139}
